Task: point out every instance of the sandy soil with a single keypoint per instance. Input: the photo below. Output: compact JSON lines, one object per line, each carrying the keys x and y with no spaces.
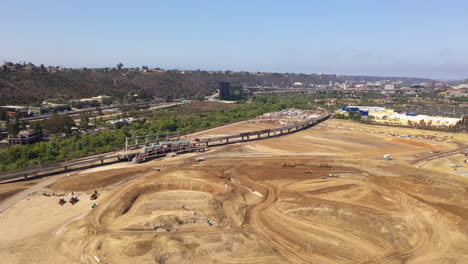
{"x":241,"y":206}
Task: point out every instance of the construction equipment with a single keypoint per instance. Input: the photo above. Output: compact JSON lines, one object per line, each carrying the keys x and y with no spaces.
{"x":324,"y":165}
{"x":95,"y":195}
{"x":288,"y":165}
{"x":74,"y":200}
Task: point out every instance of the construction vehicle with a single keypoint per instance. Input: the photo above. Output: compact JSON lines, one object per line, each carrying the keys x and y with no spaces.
{"x":324,"y":165}
{"x":95,"y":195}
{"x":74,"y":200}
{"x":387,"y":157}
{"x":308,"y":171}
{"x":288,"y":165}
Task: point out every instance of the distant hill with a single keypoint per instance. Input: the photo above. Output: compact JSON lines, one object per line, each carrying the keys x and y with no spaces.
{"x":23,"y":86}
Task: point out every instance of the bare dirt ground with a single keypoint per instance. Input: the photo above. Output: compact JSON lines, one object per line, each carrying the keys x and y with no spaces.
{"x":241,"y":206}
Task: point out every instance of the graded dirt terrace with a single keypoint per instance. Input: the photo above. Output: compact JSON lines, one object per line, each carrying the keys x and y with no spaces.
{"x":242,"y":206}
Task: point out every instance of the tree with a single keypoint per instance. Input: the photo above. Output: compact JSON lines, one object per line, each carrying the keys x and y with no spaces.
{"x":37,"y":126}
{"x":59,"y":124}
{"x":14,"y":128}
{"x":43,"y":68}
{"x":84,"y":121}
{"x":200,"y":96}
{"x":99,"y":111}
{"x":3,"y":114}
{"x":23,"y":125}
{"x":119,"y":66}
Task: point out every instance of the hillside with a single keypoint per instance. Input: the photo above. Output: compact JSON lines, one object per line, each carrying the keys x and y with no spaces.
{"x":22,"y":87}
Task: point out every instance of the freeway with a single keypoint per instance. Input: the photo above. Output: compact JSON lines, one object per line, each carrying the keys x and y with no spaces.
{"x":279,"y":90}
{"x":94,"y":109}
{"x":31,"y":172}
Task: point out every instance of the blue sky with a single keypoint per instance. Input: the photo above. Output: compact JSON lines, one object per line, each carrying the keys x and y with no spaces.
{"x":421,"y":38}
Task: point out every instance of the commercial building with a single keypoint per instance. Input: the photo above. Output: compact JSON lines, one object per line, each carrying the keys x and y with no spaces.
{"x":230,"y":91}
{"x":411,"y":119}
{"x":383,"y":115}
{"x":430,"y":84}
{"x":122,"y":122}
{"x":103,"y":99}
{"x":15,"y":110}
{"x":24,"y":137}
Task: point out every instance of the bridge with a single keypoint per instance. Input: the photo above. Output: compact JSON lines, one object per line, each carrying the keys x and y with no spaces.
{"x":132,"y":150}
{"x":281,"y":90}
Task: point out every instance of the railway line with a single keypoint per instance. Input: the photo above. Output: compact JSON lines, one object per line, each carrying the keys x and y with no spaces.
{"x":137,"y":154}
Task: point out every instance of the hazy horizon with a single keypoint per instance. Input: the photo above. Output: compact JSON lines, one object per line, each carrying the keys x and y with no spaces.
{"x":422,"y":39}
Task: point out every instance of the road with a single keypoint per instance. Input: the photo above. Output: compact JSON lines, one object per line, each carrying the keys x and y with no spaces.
{"x":91,"y":109}
{"x":24,"y":194}
{"x":161,"y":106}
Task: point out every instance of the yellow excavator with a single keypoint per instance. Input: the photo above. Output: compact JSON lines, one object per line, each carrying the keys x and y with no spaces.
{"x":95,"y":195}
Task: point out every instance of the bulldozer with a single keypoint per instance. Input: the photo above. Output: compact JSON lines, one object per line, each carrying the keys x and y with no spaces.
{"x":95,"y":195}
{"x":62,"y":201}
{"x":324,"y":165}
{"x":74,"y":200}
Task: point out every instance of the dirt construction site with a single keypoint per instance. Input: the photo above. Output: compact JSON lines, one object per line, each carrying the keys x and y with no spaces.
{"x":322,"y":195}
